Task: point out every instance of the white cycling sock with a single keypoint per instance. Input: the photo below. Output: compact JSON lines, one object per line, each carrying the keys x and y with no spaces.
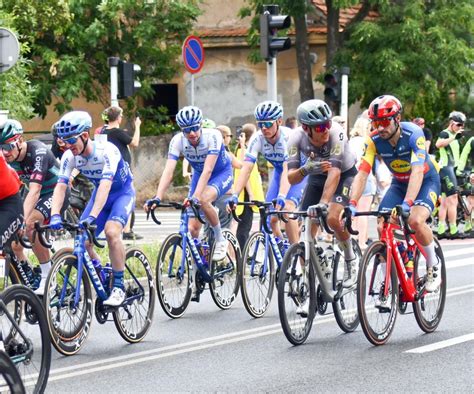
{"x":431,"y":258}
{"x":346,"y":246}
{"x":218,"y":233}
{"x":45,"y":268}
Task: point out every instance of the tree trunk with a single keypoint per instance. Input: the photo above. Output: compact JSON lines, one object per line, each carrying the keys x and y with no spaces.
{"x":303,"y":59}
{"x":332,"y":33}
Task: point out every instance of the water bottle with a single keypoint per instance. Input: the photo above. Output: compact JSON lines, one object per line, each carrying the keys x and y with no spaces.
{"x":107,"y":271}
{"x":323,"y":261}
{"x":205,"y":251}
{"x":409,"y":264}
{"x":99,"y":269}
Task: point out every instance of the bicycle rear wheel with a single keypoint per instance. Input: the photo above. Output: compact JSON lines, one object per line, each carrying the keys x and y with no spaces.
{"x":69,"y":325}
{"x":28,"y":347}
{"x":257,"y":285}
{"x":345,"y":308}
{"x":10,"y":380}
{"x":377,"y":313}
{"x":133,"y":319}
{"x":296,"y":287}
{"x":429,"y":308}
{"x":225,"y":287}
{"x":172,"y":285}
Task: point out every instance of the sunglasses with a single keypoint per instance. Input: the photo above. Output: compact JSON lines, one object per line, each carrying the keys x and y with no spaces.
{"x":459,"y":124}
{"x":187,"y":130}
{"x":319,"y":128}
{"x":8,"y":147}
{"x":265,"y":125}
{"x":228,"y":136}
{"x":68,"y":141}
{"x":384,"y":122}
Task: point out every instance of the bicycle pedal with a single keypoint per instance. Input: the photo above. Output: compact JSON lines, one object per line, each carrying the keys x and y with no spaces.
{"x":383,"y":309}
{"x":196,"y":297}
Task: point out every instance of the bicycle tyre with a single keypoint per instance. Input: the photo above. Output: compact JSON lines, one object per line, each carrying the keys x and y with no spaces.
{"x":345,"y":308}
{"x":429,"y":311}
{"x":293,"y":291}
{"x":69,"y":327}
{"x":10,"y":375}
{"x":174,"y":293}
{"x":225,"y":288}
{"x":369,"y":287}
{"x":257,"y":290}
{"x":34,"y":370}
{"x":138,"y":282}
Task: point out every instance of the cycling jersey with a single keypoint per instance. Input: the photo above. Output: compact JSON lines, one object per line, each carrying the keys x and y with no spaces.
{"x":9,"y":181}
{"x":449,"y":155}
{"x":467,"y":156}
{"x":336,"y":150}
{"x":276,"y":153}
{"x":105,"y":162}
{"x":39,"y":166}
{"x":210,"y":143}
{"x":410,"y":151}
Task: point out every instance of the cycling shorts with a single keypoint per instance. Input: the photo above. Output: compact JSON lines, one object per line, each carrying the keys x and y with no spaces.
{"x":427,"y":196}
{"x":295,"y":193}
{"x":314,"y":190}
{"x":221,"y":181}
{"x":11,"y":218}
{"x":117,"y":208}
{"x":449,"y":182}
{"x":45,"y":202}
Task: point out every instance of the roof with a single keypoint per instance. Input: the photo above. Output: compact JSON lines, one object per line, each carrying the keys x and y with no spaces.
{"x":345,"y":14}
{"x":243,"y":31}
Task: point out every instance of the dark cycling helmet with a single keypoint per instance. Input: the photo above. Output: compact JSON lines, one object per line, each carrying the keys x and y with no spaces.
{"x":10,"y":131}
{"x":268,"y":110}
{"x":313,"y":112}
{"x":458,"y":117}
{"x":189,"y":116}
{"x":73,"y":123}
{"x":386,"y":106}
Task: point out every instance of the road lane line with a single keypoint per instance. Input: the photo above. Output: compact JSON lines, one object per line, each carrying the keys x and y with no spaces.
{"x":442,"y":344}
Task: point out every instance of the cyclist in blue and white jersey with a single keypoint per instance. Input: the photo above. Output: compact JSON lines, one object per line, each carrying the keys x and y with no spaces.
{"x":270,"y":141}
{"x":212,"y":171}
{"x":113,"y":197}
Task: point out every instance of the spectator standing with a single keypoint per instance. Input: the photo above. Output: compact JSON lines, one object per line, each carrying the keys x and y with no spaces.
{"x":291,"y":122}
{"x":426,"y":131}
{"x":122,"y":140}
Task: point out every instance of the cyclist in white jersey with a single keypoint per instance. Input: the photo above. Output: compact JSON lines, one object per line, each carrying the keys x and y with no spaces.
{"x":113,"y":198}
{"x":270,"y":141}
{"x":212,"y":171}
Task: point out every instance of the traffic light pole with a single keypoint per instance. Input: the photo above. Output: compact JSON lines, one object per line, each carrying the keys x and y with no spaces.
{"x":345,"y":93}
{"x":272,"y":79}
{"x":113,"y":64}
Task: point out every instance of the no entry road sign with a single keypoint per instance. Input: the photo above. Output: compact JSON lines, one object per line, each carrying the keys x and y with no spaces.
{"x":193,"y":54}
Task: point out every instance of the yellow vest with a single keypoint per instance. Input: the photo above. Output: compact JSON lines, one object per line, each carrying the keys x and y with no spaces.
{"x":255,"y":185}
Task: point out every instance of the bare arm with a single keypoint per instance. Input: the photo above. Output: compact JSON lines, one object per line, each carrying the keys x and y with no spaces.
{"x":414,"y":183}
{"x":243,"y":178}
{"x":284,"y":184}
{"x":136,"y":135}
{"x":236,"y":163}
{"x":330,"y":186}
{"x":358,"y":185}
{"x":58,"y":198}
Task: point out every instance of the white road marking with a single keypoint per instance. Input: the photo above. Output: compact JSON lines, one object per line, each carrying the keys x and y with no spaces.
{"x":442,"y":344}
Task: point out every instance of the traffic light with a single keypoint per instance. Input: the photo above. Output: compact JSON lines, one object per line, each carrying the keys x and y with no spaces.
{"x":127,"y":79}
{"x":332,"y":89}
{"x":270,"y":44}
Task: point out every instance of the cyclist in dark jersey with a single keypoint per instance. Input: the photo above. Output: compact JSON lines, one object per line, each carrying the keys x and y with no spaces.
{"x":37,"y":167}
{"x":466,"y":166}
{"x":330,"y":167}
{"x":415,"y":184}
{"x":449,"y":151}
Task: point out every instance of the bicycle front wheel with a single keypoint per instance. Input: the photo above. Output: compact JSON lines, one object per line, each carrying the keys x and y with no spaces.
{"x":345,"y":308}
{"x":69,"y":323}
{"x":257,"y":275}
{"x":297,"y":299}
{"x":28,"y":347}
{"x":429,"y":308}
{"x":133,"y":319}
{"x":225,"y":274}
{"x":10,"y":379}
{"x":377,"y":311}
{"x":173,"y":283}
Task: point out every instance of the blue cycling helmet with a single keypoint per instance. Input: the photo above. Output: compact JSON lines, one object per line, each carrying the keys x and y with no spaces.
{"x":189,"y":116}
{"x":268,"y":110}
{"x":73,"y":123}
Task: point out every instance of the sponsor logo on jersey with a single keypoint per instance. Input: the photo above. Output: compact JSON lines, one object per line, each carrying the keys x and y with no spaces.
{"x":293,"y":151}
{"x":400,"y":166}
{"x":434,"y":197}
{"x":420,"y":143}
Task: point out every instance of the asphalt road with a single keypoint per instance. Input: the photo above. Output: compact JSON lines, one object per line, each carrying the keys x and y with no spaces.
{"x":228,"y":351}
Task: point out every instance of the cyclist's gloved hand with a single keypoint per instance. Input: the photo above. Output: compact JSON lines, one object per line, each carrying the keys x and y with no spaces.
{"x":194,"y":201}
{"x":152,"y":201}
{"x":232,"y":201}
{"x":406,"y":205}
{"x":353,"y":207}
{"x":89,"y":221}
{"x":313,"y":210}
{"x":56,"y":222}
{"x":280,"y":200}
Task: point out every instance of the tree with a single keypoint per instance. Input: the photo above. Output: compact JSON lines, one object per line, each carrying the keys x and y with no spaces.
{"x":70,"y":42}
{"x":416,"y":50}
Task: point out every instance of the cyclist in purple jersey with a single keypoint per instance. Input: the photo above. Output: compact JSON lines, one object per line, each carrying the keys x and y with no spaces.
{"x":212,"y":171}
{"x":112,"y":199}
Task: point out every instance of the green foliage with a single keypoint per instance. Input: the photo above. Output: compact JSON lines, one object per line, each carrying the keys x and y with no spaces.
{"x":16,"y":92}
{"x":418,"y":51}
{"x":70,"y":42}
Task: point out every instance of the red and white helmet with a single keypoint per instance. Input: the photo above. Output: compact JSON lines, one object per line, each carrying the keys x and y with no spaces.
{"x":384,"y":107}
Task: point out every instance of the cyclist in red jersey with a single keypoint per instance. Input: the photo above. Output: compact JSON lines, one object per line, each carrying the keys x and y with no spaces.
{"x":11,"y":205}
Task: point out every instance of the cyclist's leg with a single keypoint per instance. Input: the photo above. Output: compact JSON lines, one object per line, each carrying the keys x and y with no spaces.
{"x":311,"y":196}
{"x":293,"y":198}
{"x":272,"y":193}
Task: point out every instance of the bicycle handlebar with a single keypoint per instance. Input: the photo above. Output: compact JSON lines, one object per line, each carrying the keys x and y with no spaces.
{"x":89,"y":229}
{"x":177,"y":205}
